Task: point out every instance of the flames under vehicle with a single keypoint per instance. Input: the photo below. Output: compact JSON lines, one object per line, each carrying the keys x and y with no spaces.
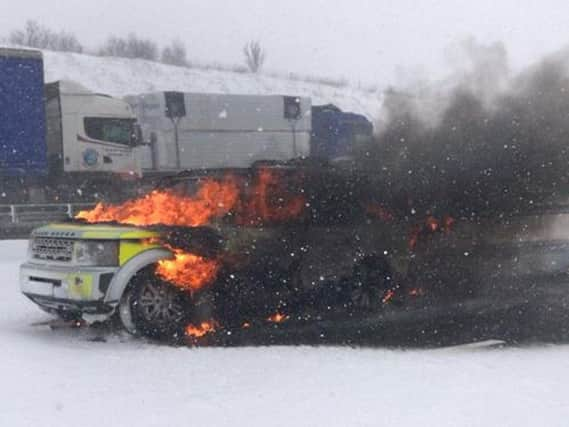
{"x":286,"y":245}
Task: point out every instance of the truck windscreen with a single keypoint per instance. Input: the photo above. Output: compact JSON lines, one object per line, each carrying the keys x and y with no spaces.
{"x":120,"y":131}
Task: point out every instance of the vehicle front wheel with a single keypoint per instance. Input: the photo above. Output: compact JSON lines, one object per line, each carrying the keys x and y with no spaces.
{"x":154,"y":308}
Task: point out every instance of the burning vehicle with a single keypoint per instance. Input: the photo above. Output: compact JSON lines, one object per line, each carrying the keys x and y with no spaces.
{"x":289,"y":243}
{"x":222,"y":249}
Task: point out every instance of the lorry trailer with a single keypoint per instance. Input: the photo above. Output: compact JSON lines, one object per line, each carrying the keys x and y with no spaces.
{"x":189,"y":131}
{"x":23,"y":151}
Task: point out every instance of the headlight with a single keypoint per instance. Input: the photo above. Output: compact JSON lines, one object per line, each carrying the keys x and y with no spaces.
{"x":100,"y":253}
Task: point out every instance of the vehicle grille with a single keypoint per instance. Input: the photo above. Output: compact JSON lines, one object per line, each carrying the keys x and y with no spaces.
{"x":51,"y":249}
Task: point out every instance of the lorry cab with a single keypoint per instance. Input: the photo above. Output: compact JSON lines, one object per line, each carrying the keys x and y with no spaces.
{"x":89,"y":132}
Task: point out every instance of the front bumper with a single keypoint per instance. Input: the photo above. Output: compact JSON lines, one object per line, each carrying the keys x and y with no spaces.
{"x":65,"y":289}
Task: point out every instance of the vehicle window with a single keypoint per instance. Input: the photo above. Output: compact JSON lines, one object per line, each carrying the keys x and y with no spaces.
{"x":111,"y":130}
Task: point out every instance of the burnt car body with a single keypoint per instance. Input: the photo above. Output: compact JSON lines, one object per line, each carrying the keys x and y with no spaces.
{"x":336,"y":262}
{"x":312,"y":247}
{"x":332,"y":258}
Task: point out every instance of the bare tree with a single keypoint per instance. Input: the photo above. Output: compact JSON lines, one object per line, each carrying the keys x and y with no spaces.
{"x":254,"y":55}
{"x":66,"y":42}
{"x":114,"y":46}
{"x":142,"y":48}
{"x":33,"y":35}
{"x":130,"y":47}
{"x":175,"y":54}
{"x":40,"y":37}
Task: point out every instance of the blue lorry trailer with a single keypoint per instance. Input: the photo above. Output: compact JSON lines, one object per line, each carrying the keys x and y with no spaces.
{"x":23,"y":151}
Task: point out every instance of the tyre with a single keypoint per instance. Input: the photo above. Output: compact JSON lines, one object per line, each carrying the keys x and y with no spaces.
{"x":154,"y":308}
{"x":372,"y":279}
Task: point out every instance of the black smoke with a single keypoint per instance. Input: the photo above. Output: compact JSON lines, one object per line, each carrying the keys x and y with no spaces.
{"x":493,"y":143}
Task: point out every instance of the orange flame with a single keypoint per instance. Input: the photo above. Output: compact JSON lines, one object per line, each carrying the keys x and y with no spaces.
{"x":213,"y":199}
{"x":267,"y":200}
{"x":431,"y":225}
{"x":416,"y":292}
{"x":277,"y":318}
{"x":380,"y":212}
{"x":414,"y":236}
{"x":202,"y":329}
{"x":188,"y":271}
{"x":270,"y":201}
{"x":388,"y":296}
{"x":448,"y":223}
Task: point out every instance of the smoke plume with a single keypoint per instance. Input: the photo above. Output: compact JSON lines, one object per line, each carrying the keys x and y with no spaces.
{"x":483,"y":142}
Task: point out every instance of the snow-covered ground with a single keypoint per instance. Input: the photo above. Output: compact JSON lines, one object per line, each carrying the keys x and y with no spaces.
{"x":122,"y":76}
{"x":61,"y":378}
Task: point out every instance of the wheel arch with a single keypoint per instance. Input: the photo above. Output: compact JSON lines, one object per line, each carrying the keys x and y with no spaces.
{"x":122,"y":278}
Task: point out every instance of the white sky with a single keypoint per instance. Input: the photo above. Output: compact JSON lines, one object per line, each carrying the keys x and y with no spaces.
{"x":374,"y":42}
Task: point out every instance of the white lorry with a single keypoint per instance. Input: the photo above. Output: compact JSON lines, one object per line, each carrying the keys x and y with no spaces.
{"x":191,"y":131}
{"x":89,"y":132}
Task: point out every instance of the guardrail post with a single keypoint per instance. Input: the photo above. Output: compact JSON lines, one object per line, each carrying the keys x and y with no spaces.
{"x":13,"y":214}
{"x":69,"y":210}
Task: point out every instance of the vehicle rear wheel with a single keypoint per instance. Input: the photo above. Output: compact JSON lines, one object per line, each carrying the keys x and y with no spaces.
{"x":372,"y":279}
{"x":154,"y":308}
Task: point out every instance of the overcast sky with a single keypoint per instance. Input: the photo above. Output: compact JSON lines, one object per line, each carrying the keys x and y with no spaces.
{"x":371,"y":41}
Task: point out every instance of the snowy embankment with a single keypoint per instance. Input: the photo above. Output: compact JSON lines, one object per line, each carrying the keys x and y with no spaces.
{"x":62,"y":378}
{"x":122,"y":76}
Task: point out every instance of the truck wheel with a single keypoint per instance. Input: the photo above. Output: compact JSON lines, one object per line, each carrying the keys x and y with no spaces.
{"x":154,"y":308}
{"x":372,"y":278}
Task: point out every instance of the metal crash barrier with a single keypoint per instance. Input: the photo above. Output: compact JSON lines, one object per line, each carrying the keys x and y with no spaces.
{"x":16,"y":221}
